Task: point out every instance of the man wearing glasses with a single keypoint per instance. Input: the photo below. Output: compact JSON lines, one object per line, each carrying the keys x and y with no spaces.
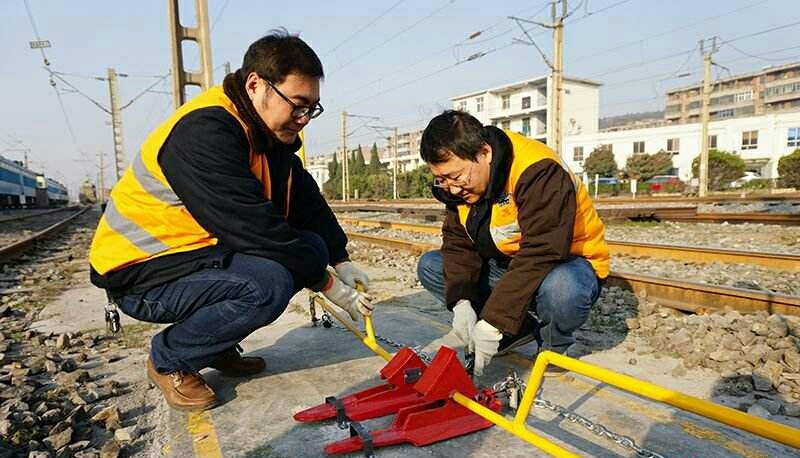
{"x":523,"y":252}
{"x":216,"y":224}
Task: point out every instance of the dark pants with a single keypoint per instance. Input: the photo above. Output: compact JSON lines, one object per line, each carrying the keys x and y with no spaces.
{"x":212,"y":310}
{"x":562,"y":302}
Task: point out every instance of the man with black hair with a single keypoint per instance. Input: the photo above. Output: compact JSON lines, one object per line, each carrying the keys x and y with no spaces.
{"x":523,"y":252}
{"x":216,"y":224}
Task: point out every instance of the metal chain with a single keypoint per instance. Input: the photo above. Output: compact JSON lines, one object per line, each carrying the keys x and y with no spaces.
{"x":513,"y":387}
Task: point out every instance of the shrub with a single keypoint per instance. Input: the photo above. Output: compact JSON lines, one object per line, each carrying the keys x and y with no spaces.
{"x":789,"y":170}
{"x":646,"y":166}
{"x":601,"y":162}
{"x":723,"y":167}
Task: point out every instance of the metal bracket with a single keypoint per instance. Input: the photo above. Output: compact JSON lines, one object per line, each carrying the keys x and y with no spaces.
{"x":410,"y":376}
{"x":341,"y":415}
{"x":113,"y":324}
{"x":366,"y":439}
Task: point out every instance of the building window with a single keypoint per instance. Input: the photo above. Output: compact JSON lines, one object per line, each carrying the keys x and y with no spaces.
{"x":479,"y":104}
{"x":794,"y":137}
{"x":743,"y":96}
{"x":577,"y":154}
{"x":506,"y":100}
{"x":721,"y":114}
{"x":674,"y":145}
{"x":526,"y":127}
{"x":712,"y":141}
{"x":462,"y":105}
{"x":506,"y":124}
{"x":526,"y":102}
{"x":638,"y":147}
{"x":750,"y":139}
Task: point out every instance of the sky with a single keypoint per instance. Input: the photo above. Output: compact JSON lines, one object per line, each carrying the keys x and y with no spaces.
{"x":399,"y":60}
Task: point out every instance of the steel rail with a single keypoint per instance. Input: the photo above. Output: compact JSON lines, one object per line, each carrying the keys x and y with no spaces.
{"x":677,"y":294}
{"x":34,"y":215}
{"x":15,"y":249}
{"x":726,"y":198}
{"x":679,"y":214}
{"x":773,"y":261}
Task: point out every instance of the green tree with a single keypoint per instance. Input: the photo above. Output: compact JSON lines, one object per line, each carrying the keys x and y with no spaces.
{"x":601,"y":162}
{"x":332,"y":189}
{"x":723,"y":167}
{"x":415,"y":183}
{"x":375,"y":165}
{"x":789,"y":170}
{"x":646,"y":166}
{"x":357,"y":163}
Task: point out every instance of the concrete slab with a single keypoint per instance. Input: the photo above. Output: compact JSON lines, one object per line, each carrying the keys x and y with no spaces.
{"x":305,"y":364}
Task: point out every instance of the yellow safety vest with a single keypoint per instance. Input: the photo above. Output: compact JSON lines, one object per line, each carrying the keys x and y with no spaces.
{"x":144,"y":218}
{"x":588,"y":239}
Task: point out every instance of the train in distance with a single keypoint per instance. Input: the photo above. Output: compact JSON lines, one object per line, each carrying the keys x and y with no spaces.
{"x":21,"y":187}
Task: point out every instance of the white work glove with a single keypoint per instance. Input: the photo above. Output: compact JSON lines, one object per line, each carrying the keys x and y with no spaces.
{"x":464,"y":319}
{"x":348,"y":299}
{"x":486,"y":339}
{"x":350,"y":275}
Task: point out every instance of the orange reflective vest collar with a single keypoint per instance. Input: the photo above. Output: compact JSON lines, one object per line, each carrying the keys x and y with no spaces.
{"x":588,"y":239}
{"x":144,"y":218}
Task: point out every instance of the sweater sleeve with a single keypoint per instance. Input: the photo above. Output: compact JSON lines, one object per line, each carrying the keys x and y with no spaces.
{"x":206,"y":162}
{"x":309,"y":211}
{"x":462,"y":263}
{"x":546,"y":202}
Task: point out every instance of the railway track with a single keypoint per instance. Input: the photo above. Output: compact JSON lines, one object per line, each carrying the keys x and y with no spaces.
{"x":774,"y":261}
{"x":16,"y":248}
{"x":679,"y":214}
{"x":4,"y":219}
{"x":677,"y":294}
{"x":721,"y":198}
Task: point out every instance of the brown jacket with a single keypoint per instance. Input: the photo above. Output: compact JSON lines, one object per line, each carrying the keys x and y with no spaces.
{"x":546,"y":200}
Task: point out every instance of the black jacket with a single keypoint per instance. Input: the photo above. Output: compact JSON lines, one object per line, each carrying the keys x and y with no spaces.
{"x":206,"y":162}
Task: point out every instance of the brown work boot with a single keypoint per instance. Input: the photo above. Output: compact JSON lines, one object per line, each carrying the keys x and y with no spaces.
{"x":233,"y":364}
{"x":182,"y":390}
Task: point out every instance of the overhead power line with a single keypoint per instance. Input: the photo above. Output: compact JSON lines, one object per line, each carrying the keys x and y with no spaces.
{"x":364,"y":27}
{"x":391,"y":38}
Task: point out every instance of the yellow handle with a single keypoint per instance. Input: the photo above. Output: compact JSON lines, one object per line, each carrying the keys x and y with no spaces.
{"x":370,"y":340}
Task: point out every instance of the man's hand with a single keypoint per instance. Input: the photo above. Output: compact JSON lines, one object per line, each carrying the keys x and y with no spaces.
{"x":348,"y":299}
{"x":486,"y":339}
{"x":350,"y":275}
{"x":464,"y":319}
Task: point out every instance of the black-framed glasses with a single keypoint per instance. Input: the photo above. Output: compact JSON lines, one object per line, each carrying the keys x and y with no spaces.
{"x":298,"y":111}
{"x":459,"y":182}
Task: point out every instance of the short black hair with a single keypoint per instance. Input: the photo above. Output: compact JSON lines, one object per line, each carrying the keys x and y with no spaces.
{"x":455,"y":132}
{"x":278,"y":54}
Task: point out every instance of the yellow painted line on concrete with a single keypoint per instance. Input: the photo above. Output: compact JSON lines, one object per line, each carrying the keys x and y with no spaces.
{"x":200,"y":427}
{"x":658,"y":414}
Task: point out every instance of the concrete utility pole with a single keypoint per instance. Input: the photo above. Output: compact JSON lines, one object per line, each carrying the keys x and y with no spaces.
{"x":558,"y":73}
{"x":556,"y":99}
{"x":394,"y":168}
{"x":227,"y":68}
{"x":703,"y":172}
{"x":116,"y":122}
{"x":101,"y":179}
{"x":345,"y":173}
{"x":200,"y":35}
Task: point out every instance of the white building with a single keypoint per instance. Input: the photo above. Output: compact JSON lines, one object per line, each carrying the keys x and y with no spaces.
{"x":524,"y":107}
{"x":317,"y":166}
{"x":759,"y":140}
{"x":408,"y":157}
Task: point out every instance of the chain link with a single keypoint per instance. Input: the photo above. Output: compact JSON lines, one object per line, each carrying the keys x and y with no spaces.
{"x":513,"y":387}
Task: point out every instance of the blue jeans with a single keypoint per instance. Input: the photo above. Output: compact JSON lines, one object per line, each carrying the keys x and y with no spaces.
{"x":212,"y":310}
{"x":561,"y":305}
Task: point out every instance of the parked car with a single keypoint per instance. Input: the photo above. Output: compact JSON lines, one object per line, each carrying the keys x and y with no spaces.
{"x":664,"y":182}
{"x":607,"y":180}
{"x":741,"y":181}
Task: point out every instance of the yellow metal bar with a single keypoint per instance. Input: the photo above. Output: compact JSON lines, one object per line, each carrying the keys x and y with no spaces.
{"x":368,"y":339}
{"x":761,"y":427}
{"x":513,"y":427}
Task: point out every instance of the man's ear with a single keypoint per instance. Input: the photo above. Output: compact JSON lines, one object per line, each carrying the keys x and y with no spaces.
{"x":486,"y":150}
{"x":251,"y":83}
